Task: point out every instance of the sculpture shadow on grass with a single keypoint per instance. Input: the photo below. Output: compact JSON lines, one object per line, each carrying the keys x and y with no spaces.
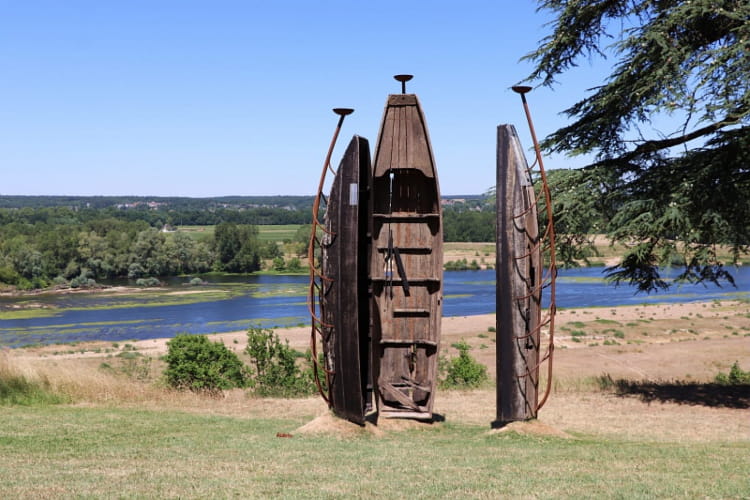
{"x":691,"y":393}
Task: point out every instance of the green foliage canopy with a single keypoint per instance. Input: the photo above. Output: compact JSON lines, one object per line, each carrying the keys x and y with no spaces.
{"x":236,"y":248}
{"x":675,"y":194}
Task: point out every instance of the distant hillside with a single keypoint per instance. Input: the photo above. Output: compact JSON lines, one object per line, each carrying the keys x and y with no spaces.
{"x":304,"y":203}
{"x":158,"y":202}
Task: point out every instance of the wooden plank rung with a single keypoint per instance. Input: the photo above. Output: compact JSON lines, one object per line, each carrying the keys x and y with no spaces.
{"x":406,"y":215}
{"x":412,"y":281}
{"x":402,"y":342}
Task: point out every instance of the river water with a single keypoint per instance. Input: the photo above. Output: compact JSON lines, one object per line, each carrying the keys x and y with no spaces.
{"x":277,"y":301}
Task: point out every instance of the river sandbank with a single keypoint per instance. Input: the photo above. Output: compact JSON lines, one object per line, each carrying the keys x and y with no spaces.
{"x":686,"y":341}
{"x":671,"y":345}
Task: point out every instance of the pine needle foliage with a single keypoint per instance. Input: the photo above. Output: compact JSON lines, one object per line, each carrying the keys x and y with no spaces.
{"x":676,"y":194}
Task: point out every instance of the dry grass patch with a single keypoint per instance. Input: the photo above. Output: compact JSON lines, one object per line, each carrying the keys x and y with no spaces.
{"x":84,"y":380}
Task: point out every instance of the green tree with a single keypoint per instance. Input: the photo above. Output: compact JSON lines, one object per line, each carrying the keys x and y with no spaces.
{"x":469,"y":225}
{"x":236,"y":248}
{"x":294,"y":265}
{"x":578,"y":215}
{"x":677,"y":192}
{"x":270,"y":250}
{"x":148,"y":252}
{"x":279,"y":264}
{"x":301,"y":240}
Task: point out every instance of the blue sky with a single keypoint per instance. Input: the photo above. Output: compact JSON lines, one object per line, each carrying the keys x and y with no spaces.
{"x":189,"y":98}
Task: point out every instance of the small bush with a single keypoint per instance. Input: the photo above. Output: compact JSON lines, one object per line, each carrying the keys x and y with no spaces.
{"x":294,"y":265}
{"x":736,"y":376}
{"x":196,"y":363}
{"x":456,"y":265}
{"x":463,"y":372}
{"x":273,"y":365}
{"x":148,"y":282}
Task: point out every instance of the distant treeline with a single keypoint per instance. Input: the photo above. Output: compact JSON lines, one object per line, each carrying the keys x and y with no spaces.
{"x":158,"y":211}
{"x":303,"y":203}
{"x":466,"y":218}
{"x":44,"y":247}
{"x":48,"y":240}
{"x":461,"y":224}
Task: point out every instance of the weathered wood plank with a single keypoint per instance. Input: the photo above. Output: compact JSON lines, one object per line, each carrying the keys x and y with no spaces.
{"x":345,"y":302}
{"x":518,"y":271}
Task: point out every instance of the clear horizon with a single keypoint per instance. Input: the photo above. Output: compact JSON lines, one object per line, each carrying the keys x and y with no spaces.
{"x":234,"y":98}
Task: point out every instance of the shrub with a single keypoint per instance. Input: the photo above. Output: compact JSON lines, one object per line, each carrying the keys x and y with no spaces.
{"x":135,"y":271}
{"x":736,"y":376}
{"x":456,"y":265}
{"x":148,"y":282}
{"x":294,"y":265}
{"x":463,"y":372}
{"x":196,"y":363}
{"x":273,"y":365}
{"x":8,"y":275}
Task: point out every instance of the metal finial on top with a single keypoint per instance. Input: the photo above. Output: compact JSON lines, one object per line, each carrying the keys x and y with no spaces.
{"x":521,"y":89}
{"x":342,"y":112}
{"x":403,"y":79}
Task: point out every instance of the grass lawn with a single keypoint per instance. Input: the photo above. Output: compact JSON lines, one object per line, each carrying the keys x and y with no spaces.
{"x":277,"y":233}
{"x":66,"y":451}
{"x":269,"y":232}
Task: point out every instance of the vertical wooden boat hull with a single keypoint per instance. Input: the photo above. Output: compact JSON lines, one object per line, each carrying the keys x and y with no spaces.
{"x":406,"y":263}
{"x":519,"y":277}
{"x":345,"y":301}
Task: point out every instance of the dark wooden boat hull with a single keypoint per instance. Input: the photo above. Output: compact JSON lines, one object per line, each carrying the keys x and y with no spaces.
{"x":345,"y":301}
{"x":519,"y":276}
{"x":406,"y":263}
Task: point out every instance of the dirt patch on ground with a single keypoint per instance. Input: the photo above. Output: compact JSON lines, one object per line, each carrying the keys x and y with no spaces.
{"x":692,"y":341}
{"x":331,"y":425}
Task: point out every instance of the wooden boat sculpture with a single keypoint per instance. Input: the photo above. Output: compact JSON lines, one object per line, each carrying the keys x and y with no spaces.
{"x":519,"y":275}
{"x":406,"y":266}
{"x":345,"y":301}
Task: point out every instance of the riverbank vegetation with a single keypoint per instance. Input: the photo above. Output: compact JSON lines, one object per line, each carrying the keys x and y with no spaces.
{"x":200,"y":365}
{"x":102,"y":412}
